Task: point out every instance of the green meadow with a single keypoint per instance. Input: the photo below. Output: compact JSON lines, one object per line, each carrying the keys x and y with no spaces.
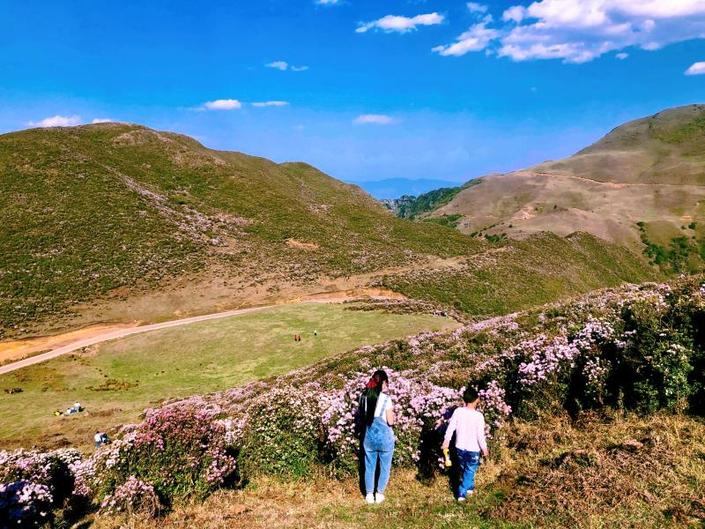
{"x":116,"y":381}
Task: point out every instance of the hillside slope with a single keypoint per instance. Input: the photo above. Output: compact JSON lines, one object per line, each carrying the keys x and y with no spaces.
{"x":109,"y":215}
{"x":86,"y":210}
{"x":651,"y":171}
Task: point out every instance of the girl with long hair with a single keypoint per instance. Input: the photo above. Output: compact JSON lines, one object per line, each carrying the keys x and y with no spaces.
{"x":377,"y":416}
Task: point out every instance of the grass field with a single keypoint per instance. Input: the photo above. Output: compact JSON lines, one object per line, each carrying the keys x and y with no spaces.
{"x":115,"y":381}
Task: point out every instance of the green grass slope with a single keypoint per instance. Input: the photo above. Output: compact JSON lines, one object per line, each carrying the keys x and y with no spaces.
{"x":86,"y":210}
{"x":522,"y":274}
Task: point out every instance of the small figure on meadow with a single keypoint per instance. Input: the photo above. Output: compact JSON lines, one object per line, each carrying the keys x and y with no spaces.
{"x":100,"y":438}
{"x":468,"y":425}
{"x":376,"y":413}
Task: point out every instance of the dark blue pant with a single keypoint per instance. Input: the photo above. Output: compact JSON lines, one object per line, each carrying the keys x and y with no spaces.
{"x":469,"y":462}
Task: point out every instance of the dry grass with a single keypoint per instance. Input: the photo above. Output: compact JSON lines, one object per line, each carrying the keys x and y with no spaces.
{"x":594,"y":474}
{"x":641,"y":473}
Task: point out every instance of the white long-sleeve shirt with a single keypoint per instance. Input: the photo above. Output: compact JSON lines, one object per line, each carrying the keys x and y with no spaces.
{"x":469,"y":428}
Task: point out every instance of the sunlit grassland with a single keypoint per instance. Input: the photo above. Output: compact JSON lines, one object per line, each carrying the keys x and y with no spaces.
{"x":115,"y":381}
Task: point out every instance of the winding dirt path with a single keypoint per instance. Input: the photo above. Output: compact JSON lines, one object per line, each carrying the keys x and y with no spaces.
{"x":67,"y":343}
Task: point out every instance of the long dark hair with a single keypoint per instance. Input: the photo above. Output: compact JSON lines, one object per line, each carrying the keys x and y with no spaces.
{"x":371,"y":394}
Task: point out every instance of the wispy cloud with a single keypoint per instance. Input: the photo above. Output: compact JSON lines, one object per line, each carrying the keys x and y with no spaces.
{"x":57,"y":121}
{"x":222,"y":104}
{"x":400,"y":24}
{"x":697,"y":68}
{"x":374,"y":119}
{"x":621,"y":55}
{"x":328,"y":2}
{"x":474,"y":39}
{"x":578,"y":31}
{"x":261,"y":104}
{"x":101,"y":120}
{"x":284,"y":66}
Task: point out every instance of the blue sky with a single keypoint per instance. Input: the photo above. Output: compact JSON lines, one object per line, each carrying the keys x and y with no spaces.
{"x":447,"y":90}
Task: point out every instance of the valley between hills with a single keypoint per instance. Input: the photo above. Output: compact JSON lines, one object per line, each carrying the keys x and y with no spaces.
{"x":570,"y":293}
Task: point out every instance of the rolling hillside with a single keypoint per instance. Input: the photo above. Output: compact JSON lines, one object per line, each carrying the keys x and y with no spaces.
{"x":113,"y":215}
{"x":650,"y":171}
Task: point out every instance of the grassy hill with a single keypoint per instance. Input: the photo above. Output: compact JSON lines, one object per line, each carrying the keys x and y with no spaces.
{"x":650,"y":171}
{"x":87,"y":210}
{"x":108,"y":215}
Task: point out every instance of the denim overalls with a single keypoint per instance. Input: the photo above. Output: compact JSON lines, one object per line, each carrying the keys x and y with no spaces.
{"x":378,"y":444}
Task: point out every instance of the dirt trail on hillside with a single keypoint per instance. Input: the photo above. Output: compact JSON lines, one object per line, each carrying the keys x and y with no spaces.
{"x":23,"y":353}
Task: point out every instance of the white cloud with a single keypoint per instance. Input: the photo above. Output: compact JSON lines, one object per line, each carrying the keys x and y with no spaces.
{"x":101,"y":120}
{"x":222,"y":104}
{"x":621,"y":56}
{"x":514,"y":13}
{"x":374,"y":119}
{"x":474,"y":39}
{"x":284,"y":66}
{"x":328,"y":2}
{"x":400,"y":24}
{"x":57,"y":121}
{"x":697,"y":68}
{"x":581,"y":30}
{"x":578,"y":31}
{"x":261,"y":104}
{"x":278,"y":65}
{"x":474,"y":7}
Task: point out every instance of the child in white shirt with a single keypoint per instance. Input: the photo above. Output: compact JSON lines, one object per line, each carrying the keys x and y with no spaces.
{"x":468,"y":425}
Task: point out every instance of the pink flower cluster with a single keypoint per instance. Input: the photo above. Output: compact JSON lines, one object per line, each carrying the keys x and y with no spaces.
{"x":25,"y":504}
{"x":416,"y":402}
{"x":494,"y":405}
{"x":33,"y":484}
{"x":133,"y":496}
{"x":546,"y":357}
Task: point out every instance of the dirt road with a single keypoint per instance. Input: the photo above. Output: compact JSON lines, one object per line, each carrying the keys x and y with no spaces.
{"x":107,"y":333}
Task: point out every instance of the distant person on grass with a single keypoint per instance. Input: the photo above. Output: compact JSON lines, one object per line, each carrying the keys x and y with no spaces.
{"x":468,"y":425}
{"x":376,"y":416}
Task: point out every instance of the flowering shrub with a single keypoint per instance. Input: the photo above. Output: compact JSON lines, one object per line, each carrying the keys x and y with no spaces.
{"x":179,"y":449}
{"x":34,"y":484}
{"x":281,"y":432}
{"x":417,"y":404}
{"x":25,"y":504}
{"x":132,"y":497}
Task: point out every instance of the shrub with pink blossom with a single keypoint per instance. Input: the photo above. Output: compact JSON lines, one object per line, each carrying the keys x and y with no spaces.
{"x":281,"y":432}
{"x":179,"y":449}
{"x":25,"y":504}
{"x":36,"y":485}
{"x":417,"y":404}
{"x":134,"y":496}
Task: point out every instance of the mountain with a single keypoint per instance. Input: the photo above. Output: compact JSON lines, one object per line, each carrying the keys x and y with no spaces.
{"x":116,"y":222}
{"x":642,"y":185}
{"x":392,"y":188}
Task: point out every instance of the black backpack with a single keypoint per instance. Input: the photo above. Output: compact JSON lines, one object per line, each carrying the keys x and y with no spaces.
{"x":361,"y":416}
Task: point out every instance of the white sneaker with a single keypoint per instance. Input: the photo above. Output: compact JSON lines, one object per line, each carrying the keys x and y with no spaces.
{"x":469,"y":493}
{"x":379,"y":498}
{"x":370,"y":499}
{"x":461,"y":499}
